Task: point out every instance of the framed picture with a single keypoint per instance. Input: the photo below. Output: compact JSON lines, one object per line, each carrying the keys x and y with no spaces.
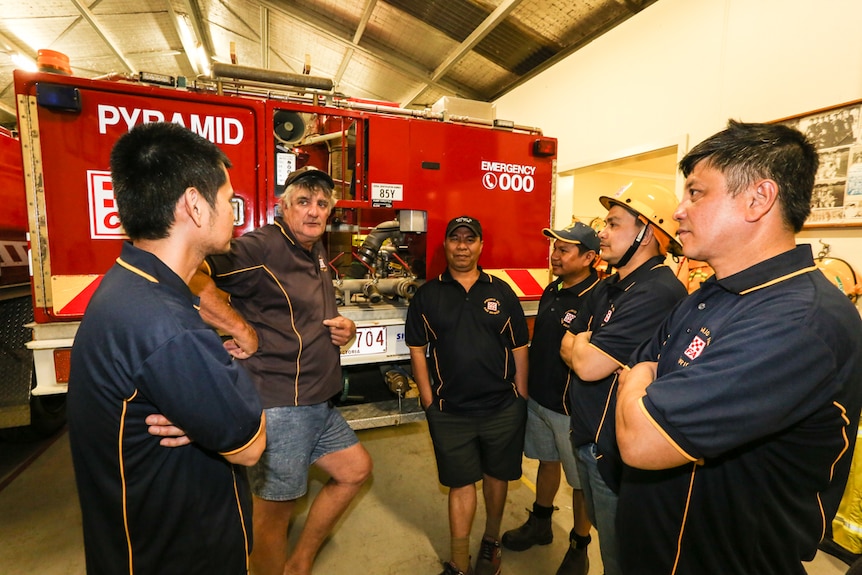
{"x":837,"y":135}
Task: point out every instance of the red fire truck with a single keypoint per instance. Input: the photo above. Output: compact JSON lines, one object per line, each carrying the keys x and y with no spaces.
{"x":400,"y":176}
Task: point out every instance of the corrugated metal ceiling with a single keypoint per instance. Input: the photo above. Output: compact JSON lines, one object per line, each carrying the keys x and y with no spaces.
{"x":407,"y":51}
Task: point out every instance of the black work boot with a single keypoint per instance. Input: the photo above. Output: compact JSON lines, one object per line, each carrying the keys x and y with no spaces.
{"x":536,"y":531}
{"x":576,"y":561}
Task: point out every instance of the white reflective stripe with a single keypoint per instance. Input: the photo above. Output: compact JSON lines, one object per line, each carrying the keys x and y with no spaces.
{"x":849,"y":525}
{"x":49,"y":343}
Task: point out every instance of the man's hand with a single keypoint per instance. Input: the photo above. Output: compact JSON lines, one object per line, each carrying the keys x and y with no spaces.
{"x":341,"y":329}
{"x":641,"y":443}
{"x":172,"y":436}
{"x":633,"y":382}
{"x":419,"y":364}
{"x":243,"y":346}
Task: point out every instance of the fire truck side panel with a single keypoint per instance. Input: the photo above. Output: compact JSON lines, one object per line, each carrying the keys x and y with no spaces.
{"x":449,"y":170}
{"x":299,"y":135}
{"x":16,"y":363}
{"x":82,"y":229}
{"x":13,"y":216}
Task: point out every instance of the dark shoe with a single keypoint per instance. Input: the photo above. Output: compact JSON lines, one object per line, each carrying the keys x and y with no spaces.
{"x":536,"y":531}
{"x":576,"y":561}
{"x":490,"y":557}
{"x":450,"y":569}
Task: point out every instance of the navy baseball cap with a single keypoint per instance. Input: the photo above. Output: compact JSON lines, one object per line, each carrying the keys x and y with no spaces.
{"x":308,"y":172}
{"x":464,"y":221}
{"x":577,"y":233}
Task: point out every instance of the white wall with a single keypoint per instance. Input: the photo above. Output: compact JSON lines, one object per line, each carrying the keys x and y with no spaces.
{"x":679,"y":69}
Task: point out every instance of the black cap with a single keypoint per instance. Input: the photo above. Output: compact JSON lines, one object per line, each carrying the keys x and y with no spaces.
{"x":577,"y":233}
{"x":464,"y":221}
{"x":308,"y":172}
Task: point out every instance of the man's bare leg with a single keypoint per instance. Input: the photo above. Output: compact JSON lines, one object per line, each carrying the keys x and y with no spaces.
{"x":348,"y":469}
{"x":494,"y":491}
{"x":462,"y":510}
{"x":548,"y":478}
{"x":582,"y":523}
{"x":271,"y":519}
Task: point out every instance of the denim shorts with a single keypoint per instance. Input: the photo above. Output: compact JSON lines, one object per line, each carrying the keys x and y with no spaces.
{"x":296,"y":437}
{"x":468,"y":447}
{"x":549,"y":439}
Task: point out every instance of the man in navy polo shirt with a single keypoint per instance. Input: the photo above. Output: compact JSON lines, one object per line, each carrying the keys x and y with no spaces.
{"x":573,"y":258}
{"x":618,"y":314}
{"x":143,"y":350}
{"x":739,"y":416}
{"x":468,"y":346}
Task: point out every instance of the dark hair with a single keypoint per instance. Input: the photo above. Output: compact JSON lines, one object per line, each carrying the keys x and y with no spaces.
{"x":745,"y":153}
{"x":582,"y":249}
{"x":151,"y":168}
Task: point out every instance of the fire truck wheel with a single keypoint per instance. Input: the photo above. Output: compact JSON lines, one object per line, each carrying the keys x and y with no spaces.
{"x":47,"y":416}
{"x":47,"y":413}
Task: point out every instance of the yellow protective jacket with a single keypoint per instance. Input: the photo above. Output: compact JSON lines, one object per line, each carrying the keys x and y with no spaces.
{"x":847,"y":525}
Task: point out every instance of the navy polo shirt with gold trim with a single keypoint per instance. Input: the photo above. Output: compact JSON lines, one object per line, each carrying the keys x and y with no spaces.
{"x":549,"y":376}
{"x":760,"y":385}
{"x":470,"y":336}
{"x":141,"y":349}
{"x":621,"y":313}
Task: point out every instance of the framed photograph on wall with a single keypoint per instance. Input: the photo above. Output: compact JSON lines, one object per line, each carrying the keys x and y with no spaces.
{"x":837,"y":134}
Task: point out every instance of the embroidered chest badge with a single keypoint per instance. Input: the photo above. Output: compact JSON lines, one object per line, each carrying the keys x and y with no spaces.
{"x":569,"y":317}
{"x":492,"y":306}
{"x":608,"y":315}
{"x":321,"y":263}
{"x":695,"y":348}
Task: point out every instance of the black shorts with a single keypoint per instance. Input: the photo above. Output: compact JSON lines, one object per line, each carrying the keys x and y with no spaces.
{"x":467,"y":448}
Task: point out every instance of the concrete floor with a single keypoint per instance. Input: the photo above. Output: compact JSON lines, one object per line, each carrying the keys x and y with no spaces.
{"x":397,"y":526}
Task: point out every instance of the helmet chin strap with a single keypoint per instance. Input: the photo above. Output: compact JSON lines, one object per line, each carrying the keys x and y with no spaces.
{"x":633,"y":248}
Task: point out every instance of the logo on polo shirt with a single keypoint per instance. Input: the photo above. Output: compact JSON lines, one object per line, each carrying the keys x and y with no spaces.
{"x":321,"y":263}
{"x":569,"y":317}
{"x":492,"y":306}
{"x":608,"y":315}
{"x":695,"y":348}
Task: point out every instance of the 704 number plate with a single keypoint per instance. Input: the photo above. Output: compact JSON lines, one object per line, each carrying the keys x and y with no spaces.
{"x":369,"y":340}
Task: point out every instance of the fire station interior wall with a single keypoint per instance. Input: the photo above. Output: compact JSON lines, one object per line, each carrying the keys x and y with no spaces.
{"x":678,"y":70}
{"x":605,"y":178}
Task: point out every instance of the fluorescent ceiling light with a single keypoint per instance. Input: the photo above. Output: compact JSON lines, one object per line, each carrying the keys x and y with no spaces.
{"x":23,"y":62}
